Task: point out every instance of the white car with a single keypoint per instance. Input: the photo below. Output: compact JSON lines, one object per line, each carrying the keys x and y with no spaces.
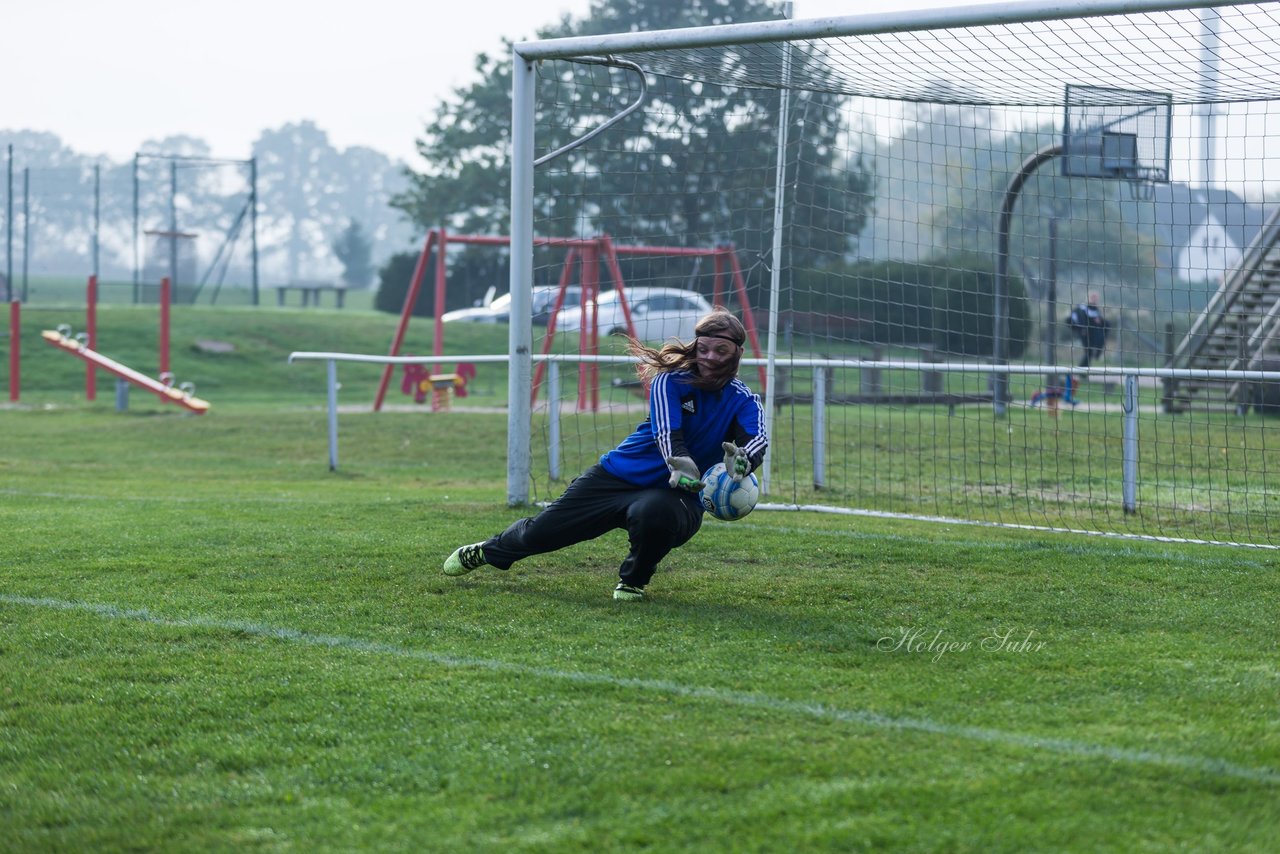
{"x":499,"y":310}
{"x":658,"y":313}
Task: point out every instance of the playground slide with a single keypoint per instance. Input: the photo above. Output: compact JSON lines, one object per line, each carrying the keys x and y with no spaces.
{"x":164,"y":392}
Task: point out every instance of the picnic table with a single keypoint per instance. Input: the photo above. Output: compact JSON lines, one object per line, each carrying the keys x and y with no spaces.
{"x":311,"y":292}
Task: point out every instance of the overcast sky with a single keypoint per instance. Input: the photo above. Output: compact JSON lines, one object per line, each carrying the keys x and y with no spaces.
{"x":108,"y":76}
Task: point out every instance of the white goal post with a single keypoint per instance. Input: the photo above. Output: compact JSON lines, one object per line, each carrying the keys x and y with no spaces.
{"x":948,"y":184}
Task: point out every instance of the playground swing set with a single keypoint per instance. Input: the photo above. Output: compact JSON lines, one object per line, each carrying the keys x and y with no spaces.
{"x":583,"y":255}
{"x":83,"y":345}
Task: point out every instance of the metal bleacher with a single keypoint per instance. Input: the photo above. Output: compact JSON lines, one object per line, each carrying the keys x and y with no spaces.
{"x":1236,"y":331}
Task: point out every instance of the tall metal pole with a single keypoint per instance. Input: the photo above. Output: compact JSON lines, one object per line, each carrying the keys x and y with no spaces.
{"x":8,"y":220}
{"x":97,"y":215}
{"x":1209,"y":83}
{"x":26,"y":227}
{"x":520,"y":339}
{"x":775,"y":272}
{"x":15,"y":348}
{"x":253,"y":224}
{"x":173,"y":223}
{"x":137,"y":272}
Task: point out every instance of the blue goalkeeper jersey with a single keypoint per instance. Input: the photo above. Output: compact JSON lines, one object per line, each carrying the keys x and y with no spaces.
{"x":692,"y":422}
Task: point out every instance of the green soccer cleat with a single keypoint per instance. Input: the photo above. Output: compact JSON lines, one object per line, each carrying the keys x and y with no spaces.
{"x":465,"y":559}
{"x":627,"y":593}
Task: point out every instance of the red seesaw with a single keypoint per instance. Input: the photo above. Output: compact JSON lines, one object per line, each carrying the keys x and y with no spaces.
{"x":161,"y":390}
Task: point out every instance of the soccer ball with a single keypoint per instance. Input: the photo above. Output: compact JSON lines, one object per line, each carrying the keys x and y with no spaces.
{"x":725,"y":499}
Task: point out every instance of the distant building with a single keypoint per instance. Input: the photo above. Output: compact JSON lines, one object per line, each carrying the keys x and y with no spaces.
{"x":1201,"y":234}
{"x":1209,"y":252}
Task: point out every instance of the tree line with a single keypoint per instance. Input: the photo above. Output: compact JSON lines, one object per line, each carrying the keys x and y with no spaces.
{"x":313,"y":201}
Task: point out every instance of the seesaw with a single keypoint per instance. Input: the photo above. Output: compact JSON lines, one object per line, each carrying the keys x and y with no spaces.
{"x":161,"y":390}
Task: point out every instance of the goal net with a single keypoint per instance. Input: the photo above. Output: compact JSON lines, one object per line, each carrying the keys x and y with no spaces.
{"x":917,"y":206}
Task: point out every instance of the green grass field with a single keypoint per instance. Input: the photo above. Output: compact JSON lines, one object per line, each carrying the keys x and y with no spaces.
{"x":211,"y":642}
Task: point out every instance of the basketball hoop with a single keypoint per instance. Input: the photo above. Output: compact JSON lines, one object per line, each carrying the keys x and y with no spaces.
{"x":1120,"y":134}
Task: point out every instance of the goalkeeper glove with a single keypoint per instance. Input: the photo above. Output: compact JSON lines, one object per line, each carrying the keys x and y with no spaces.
{"x":684,"y":474}
{"x":735,"y":461}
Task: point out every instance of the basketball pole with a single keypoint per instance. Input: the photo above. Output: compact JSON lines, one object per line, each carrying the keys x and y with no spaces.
{"x":1000,"y":297}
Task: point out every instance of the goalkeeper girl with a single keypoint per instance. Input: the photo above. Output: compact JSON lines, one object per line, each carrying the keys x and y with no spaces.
{"x":700,"y":414}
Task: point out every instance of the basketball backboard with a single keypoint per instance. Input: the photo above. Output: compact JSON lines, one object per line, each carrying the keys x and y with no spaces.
{"x":1117,"y":133}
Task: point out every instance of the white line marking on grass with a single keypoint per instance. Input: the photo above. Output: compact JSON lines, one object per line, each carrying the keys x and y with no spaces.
{"x":873,"y":720}
{"x":1046,"y":529}
{"x":1223,"y":558}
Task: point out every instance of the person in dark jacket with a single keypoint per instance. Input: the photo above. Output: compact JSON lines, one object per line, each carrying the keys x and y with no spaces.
{"x":1088,"y":325}
{"x":700,"y":414}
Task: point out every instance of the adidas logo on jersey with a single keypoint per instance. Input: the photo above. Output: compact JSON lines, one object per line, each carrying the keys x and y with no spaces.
{"x":689,"y":407}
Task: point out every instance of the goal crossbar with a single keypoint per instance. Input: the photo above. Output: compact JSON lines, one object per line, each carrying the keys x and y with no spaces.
{"x":767,"y":32}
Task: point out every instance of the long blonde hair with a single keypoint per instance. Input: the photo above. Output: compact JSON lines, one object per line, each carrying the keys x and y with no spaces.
{"x":678,"y":355}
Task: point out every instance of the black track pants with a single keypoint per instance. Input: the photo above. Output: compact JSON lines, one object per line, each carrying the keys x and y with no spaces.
{"x":657,"y":520}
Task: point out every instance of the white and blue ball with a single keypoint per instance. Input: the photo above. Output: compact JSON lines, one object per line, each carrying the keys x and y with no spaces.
{"x":725,"y":499}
